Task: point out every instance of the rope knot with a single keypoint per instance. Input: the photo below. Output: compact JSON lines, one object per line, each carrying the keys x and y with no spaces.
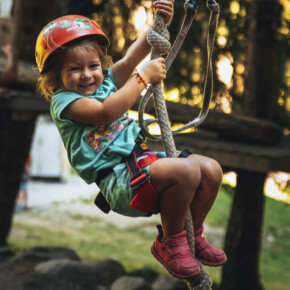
{"x":158,"y":37}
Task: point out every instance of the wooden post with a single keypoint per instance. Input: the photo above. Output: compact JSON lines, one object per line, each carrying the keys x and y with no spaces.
{"x":244,"y":231}
{"x":16,"y":136}
{"x":16,"y":128}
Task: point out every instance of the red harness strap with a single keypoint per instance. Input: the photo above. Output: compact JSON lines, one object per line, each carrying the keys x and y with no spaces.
{"x":146,"y":198}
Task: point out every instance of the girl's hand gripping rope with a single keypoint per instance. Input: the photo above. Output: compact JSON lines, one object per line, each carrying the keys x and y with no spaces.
{"x":154,"y":70}
{"x":165,"y":8}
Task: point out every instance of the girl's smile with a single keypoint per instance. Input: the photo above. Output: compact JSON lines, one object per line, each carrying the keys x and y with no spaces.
{"x":82,"y":71}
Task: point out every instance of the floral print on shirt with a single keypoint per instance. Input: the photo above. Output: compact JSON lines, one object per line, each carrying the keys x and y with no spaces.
{"x":106,"y":134}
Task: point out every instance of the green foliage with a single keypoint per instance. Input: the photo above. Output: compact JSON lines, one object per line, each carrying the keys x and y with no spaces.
{"x":275,"y":256}
{"x":117,"y":21}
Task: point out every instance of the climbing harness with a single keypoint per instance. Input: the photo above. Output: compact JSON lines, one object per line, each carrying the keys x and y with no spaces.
{"x":146,"y":198}
{"x":158,"y":38}
{"x":191,"y":9}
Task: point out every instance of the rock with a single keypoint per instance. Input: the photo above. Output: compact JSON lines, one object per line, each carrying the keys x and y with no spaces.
{"x":109,"y":270}
{"x":85,"y":274}
{"x":14,"y":275}
{"x":41,"y":254}
{"x":53,"y":268}
{"x":166,"y":282}
{"x":131,"y":283}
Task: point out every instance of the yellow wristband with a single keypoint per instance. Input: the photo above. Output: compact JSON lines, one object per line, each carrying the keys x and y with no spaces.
{"x":140,"y":79}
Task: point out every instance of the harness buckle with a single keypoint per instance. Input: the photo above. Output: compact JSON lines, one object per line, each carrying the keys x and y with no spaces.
{"x":139,"y":180}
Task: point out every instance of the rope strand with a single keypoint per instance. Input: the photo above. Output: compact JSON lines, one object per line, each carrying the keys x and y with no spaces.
{"x":158,"y":38}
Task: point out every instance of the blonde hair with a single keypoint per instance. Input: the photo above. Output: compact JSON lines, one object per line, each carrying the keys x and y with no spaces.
{"x":50,"y":81}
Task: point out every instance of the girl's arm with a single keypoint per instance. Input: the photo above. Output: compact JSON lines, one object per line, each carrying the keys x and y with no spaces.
{"x":123,"y":69}
{"x":94,"y":113}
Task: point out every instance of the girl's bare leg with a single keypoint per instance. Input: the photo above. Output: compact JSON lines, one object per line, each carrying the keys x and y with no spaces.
{"x":185,"y":183}
{"x":206,"y":193}
{"x":177,"y":179}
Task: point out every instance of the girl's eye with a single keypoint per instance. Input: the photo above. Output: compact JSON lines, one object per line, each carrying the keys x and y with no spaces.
{"x":75,"y":68}
{"x":95,"y":65}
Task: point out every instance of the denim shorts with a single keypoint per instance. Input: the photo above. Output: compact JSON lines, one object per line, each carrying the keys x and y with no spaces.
{"x":117,"y":191}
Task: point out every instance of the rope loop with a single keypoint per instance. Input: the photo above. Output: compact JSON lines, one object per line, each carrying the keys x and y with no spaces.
{"x":213,"y":6}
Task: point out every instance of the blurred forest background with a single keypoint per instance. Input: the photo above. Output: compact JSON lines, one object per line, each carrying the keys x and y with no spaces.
{"x":251,"y":65}
{"x":124,"y":20}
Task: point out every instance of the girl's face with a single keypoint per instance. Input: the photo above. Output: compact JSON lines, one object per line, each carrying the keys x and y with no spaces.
{"x":82,"y":71}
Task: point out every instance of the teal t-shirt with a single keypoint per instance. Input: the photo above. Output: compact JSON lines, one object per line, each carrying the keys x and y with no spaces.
{"x":91,"y":148}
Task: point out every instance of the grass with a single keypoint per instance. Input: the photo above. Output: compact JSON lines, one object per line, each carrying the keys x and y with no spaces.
{"x":95,"y":238}
{"x":275,"y":256}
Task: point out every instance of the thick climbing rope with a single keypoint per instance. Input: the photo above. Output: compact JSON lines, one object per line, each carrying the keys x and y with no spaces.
{"x":207,"y":93}
{"x":158,"y":37}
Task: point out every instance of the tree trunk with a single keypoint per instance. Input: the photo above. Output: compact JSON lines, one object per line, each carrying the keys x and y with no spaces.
{"x":243,"y":238}
{"x":262,"y":84}
{"x":15,"y":136}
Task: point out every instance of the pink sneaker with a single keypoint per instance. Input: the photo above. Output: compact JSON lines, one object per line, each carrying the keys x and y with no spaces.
{"x":174,"y":254}
{"x":207,"y":254}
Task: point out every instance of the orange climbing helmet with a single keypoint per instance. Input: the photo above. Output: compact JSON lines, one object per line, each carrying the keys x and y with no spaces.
{"x":63,"y":30}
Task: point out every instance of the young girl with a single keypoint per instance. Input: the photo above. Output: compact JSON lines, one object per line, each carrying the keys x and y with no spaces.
{"x":89,"y":104}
